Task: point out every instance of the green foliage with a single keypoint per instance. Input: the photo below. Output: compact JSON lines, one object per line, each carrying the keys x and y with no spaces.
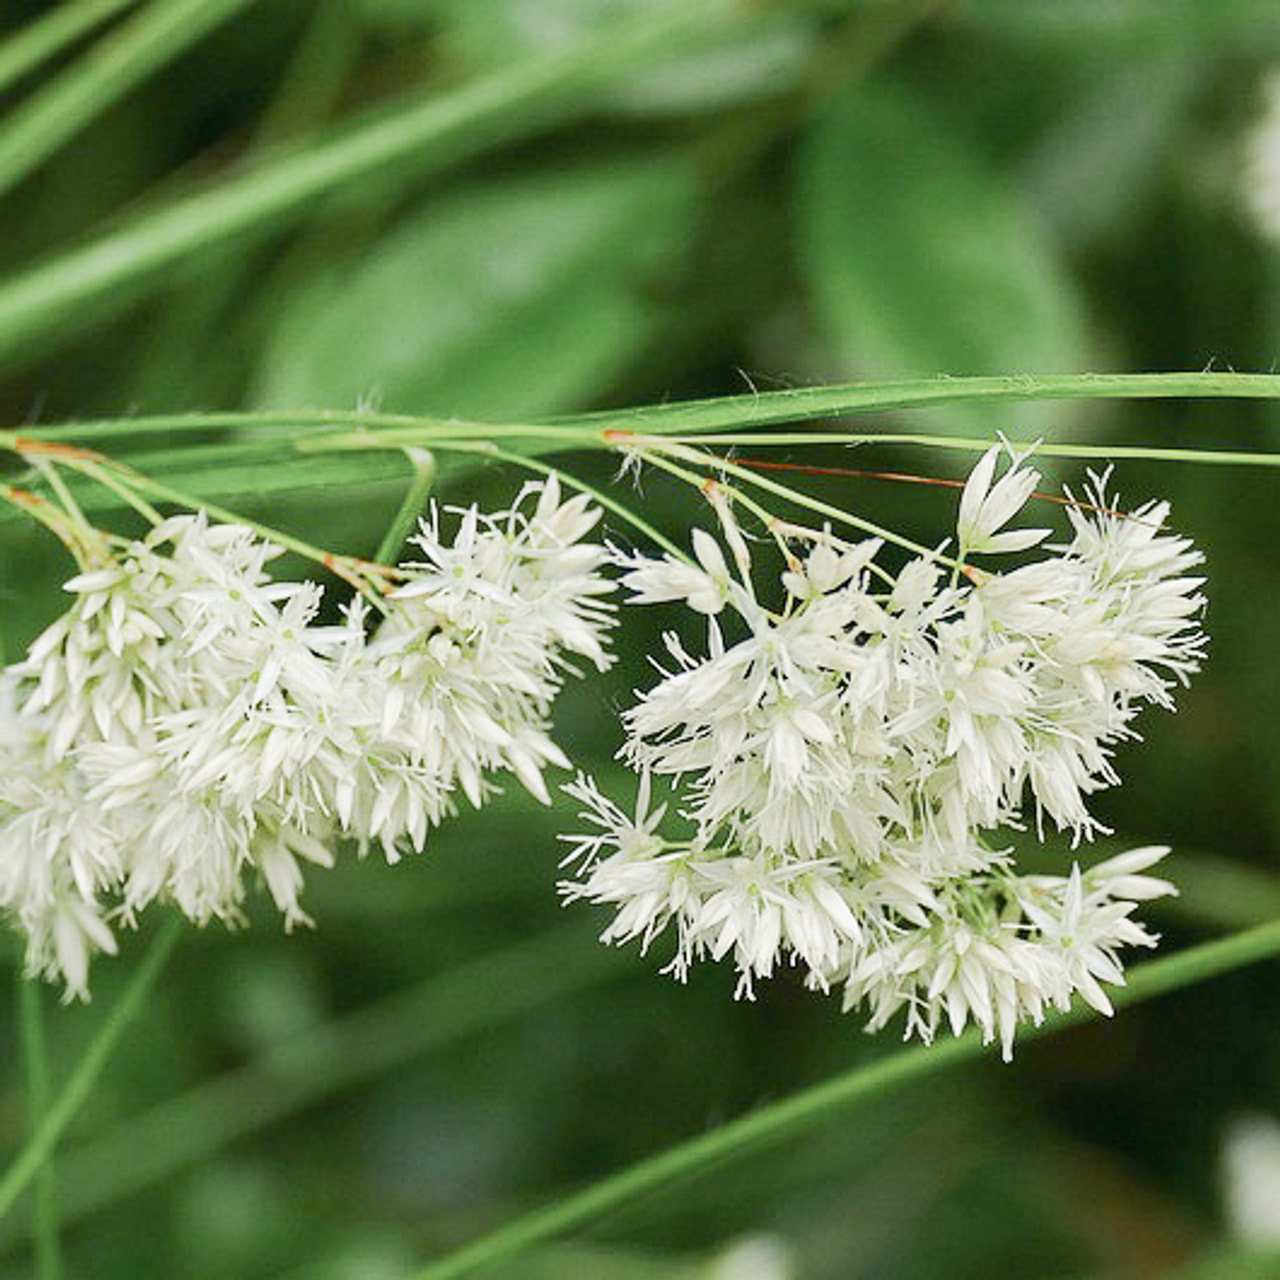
{"x":918,"y":257}
{"x":513,"y":298}
{"x":506,"y":210}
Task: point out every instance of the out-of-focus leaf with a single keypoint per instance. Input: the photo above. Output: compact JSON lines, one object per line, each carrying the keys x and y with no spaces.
{"x":401,"y":16}
{"x":519,"y":297}
{"x":574,"y":1261}
{"x":1140,"y":26}
{"x":765,"y":57}
{"x":1088,"y":173}
{"x":738,"y":69}
{"x":419,"y":130}
{"x":920,"y":261}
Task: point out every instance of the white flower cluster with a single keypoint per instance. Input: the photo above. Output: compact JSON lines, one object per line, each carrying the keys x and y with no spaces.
{"x":842,"y":760}
{"x":188,"y":719}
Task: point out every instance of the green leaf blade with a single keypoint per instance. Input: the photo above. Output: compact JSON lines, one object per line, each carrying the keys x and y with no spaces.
{"x":517,"y":297}
{"x":920,"y":262}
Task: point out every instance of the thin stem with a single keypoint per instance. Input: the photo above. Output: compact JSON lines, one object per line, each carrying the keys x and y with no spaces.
{"x":619,"y":509}
{"x":806,"y":403}
{"x":44,"y":512}
{"x":424,"y":474}
{"x":40,"y":1145}
{"x":36,"y":1070}
{"x":105,"y":476}
{"x":768,"y":520}
{"x":325,"y":422}
{"x":801,"y":1112}
{"x":344,"y":566}
{"x":729,"y":415}
{"x":431,"y":431}
{"x":968,"y":444}
{"x":714,"y":462}
{"x":64,"y":106}
{"x":49,"y":472}
{"x":476,"y":996}
{"x":46,"y":37}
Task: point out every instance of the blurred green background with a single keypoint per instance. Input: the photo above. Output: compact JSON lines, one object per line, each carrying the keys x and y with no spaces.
{"x":509,"y":209}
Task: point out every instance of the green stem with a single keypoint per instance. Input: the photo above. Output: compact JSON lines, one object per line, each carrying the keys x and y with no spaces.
{"x":424,"y":474}
{"x":135,"y":480}
{"x":427,"y":132}
{"x":806,"y":403}
{"x":977,"y":444}
{"x":47,"y":37}
{"x":40,"y":1145}
{"x":64,"y":106}
{"x":69,"y":505}
{"x":804,"y":1111}
{"x":36,"y":1069}
{"x":319,"y":434}
{"x":396,"y":430}
{"x":619,"y":509}
{"x":319,"y":420}
{"x":341,"y":431}
{"x":800,"y":499}
{"x":84,"y":545}
{"x":479,"y":995}
{"x":105,"y":476}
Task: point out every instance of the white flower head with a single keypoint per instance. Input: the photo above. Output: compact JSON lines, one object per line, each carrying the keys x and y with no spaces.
{"x":845,"y":756}
{"x":190,"y":723}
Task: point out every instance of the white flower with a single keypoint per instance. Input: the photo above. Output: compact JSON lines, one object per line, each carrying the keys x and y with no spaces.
{"x":63,"y":943}
{"x":828,"y":566}
{"x":985,"y":509}
{"x":705,"y":587}
{"x":1121,"y":876}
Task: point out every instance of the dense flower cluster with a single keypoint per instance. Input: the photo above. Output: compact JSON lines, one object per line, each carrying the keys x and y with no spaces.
{"x":843,"y":760}
{"x":188,"y":719}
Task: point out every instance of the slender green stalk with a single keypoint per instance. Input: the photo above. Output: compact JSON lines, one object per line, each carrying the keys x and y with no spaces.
{"x":316,"y":434}
{"x":40,"y":1145}
{"x":202,"y":423}
{"x":36,"y":1070}
{"x":64,"y":106}
{"x":84,"y":544}
{"x":804,"y":1111}
{"x":145,"y":1149}
{"x":127,"y":478}
{"x":601,"y":496}
{"x":105,"y":476}
{"x":69,"y":505}
{"x":805,"y":403}
{"x":326,"y":431}
{"x":424,"y":474}
{"x":426,"y":132}
{"x":749,"y":477}
{"x":978,"y":444}
{"x":46,"y":37}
